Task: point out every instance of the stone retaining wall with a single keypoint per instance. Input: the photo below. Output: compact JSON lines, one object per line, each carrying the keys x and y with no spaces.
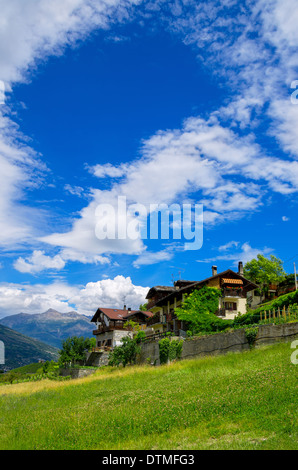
{"x":76,"y":373}
{"x":222,"y":343}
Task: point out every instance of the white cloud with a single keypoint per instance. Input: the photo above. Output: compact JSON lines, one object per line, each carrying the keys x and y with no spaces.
{"x":21,"y":169}
{"x":148,"y":258}
{"x":245,"y":254}
{"x":202,"y":163}
{"x":253,"y":47}
{"x":111,"y":293}
{"x":228,"y":245}
{"x":16,"y":298}
{"x":252,"y":44}
{"x":81,"y":242}
{"x":74,"y":190}
{"x":30,"y":32}
{"x":285,"y":219}
{"x":102,"y":171}
{"x":39,"y":262}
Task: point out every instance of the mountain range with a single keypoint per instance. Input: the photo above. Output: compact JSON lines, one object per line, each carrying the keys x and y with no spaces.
{"x":50,"y":327}
{"x":21,"y":350}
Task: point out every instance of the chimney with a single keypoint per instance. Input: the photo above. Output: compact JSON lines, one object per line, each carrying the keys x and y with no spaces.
{"x":240,"y":268}
{"x":124,"y":308}
{"x":129,"y":309}
{"x":214,"y":270}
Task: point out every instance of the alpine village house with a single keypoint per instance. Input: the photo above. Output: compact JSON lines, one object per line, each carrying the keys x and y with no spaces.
{"x":111,"y":324}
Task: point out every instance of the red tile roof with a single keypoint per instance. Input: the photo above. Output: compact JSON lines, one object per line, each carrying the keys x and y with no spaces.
{"x":119,"y":314}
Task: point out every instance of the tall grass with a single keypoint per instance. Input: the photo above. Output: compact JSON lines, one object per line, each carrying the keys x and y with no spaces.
{"x":238,"y":401}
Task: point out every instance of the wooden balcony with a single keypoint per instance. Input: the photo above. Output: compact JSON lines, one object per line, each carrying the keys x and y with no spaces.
{"x":235,"y":293}
{"x":111,"y":327}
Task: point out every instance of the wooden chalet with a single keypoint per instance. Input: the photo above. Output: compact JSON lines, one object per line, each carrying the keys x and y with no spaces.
{"x":234,"y":288}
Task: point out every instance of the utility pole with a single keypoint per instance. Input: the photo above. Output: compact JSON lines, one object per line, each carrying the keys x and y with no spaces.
{"x":295,"y":277}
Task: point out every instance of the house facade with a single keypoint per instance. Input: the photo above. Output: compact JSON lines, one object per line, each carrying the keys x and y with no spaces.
{"x":234,"y":287}
{"x":111,"y":328}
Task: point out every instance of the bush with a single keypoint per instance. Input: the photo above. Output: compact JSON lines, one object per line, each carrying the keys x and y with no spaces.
{"x":140,"y":336}
{"x":169,"y":350}
{"x":164,"y":346}
{"x":124,"y":354}
{"x":251,"y":334}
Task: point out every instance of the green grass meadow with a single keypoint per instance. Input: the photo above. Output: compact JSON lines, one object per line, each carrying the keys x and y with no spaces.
{"x":238,"y":401}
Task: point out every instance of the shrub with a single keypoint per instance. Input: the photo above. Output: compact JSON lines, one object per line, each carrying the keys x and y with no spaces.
{"x":124,"y":354}
{"x":140,"y":336}
{"x":169,"y":350}
{"x":251,"y":334}
{"x":164,"y":346}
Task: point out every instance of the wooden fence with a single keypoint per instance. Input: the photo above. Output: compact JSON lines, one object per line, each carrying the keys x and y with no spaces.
{"x":279,"y":315}
{"x":161,"y":335}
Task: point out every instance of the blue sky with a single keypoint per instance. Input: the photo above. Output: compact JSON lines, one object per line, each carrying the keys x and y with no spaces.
{"x":160,"y":102}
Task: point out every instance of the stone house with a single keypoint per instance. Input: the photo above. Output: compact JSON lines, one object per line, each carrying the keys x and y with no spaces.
{"x":110,"y":325}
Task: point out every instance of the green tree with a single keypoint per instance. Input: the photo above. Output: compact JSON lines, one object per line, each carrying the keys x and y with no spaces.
{"x":74,"y":350}
{"x":198,"y":310}
{"x":143,"y":307}
{"x":124,"y":354}
{"x":12,"y":376}
{"x":46,"y":367}
{"x":133,"y":325}
{"x":264,"y":271}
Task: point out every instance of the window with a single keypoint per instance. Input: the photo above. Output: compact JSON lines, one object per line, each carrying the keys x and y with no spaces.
{"x":230,"y":305}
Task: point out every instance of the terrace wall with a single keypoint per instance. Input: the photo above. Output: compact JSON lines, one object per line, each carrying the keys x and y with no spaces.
{"x":222,"y":343}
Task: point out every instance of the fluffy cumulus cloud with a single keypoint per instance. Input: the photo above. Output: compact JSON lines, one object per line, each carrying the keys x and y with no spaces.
{"x":113,"y":293}
{"x":209,"y":158}
{"x":38,"y":262}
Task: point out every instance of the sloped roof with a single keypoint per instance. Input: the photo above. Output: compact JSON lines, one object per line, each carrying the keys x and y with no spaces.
{"x":160,"y":289}
{"x":118,"y":314}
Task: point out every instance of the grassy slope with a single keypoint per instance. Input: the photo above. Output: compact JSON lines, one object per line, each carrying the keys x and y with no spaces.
{"x":238,"y":401}
{"x":29,"y":369}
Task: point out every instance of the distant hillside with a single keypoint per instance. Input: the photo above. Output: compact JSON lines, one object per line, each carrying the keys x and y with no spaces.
{"x":20,"y":350}
{"x":50,"y":327}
